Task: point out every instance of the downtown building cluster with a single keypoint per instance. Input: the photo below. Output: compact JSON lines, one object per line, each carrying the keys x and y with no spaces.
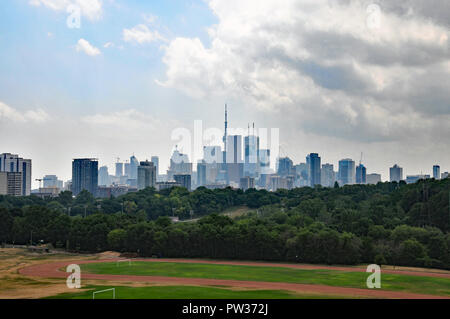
{"x":239,"y":162}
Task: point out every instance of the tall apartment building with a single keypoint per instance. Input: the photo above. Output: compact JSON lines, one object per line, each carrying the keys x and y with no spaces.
{"x":361,"y":174}
{"x":436,"y":172}
{"x":12,"y":163}
{"x":313,"y":165}
{"x":146,"y":175}
{"x":84,"y":175}
{"x":327,"y":175}
{"x":396,"y":173}
{"x":347,"y":172}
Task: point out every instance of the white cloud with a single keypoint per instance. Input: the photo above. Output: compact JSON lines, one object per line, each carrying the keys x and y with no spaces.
{"x":11,"y":114}
{"x":108,"y":45}
{"x":84,"y":46}
{"x":91,"y":9}
{"x":318,"y":61}
{"x":141,"y":34}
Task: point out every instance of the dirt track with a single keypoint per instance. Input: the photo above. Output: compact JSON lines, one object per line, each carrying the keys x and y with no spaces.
{"x":52,"y":271}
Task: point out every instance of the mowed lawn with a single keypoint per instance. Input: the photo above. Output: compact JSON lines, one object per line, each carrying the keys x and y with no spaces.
{"x":414,"y":284}
{"x":183,"y":292}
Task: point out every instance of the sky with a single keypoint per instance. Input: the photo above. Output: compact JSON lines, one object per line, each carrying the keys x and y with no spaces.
{"x":112,"y":78}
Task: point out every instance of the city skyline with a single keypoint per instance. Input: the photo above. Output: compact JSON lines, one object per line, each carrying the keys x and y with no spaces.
{"x":120,"y":83}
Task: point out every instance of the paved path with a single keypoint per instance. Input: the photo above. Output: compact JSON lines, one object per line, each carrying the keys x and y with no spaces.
{"x":52,"y":270}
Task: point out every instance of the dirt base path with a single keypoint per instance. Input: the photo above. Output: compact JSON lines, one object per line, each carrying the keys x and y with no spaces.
{"x":52,"y":270}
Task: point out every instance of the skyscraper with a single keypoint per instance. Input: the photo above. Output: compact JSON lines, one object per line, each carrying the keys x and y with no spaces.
{"x":327,"y":175}
{"x":264,"y":161}
{"x":346,"y":172}
{"x":251,"y":152}
{"x":436,"y":172}
{"x":361,"y":174}
{"x":146,"y":175}
{"x":234,"y":164}
{"x":119,"y":169}
{"x":183,"y":180}
{"x":201,"y":174}
{"x":396,"y":173}
{"x":155,"y":161}
{"x":313,"y":164}
{"x":12,"y":163}
{"x":212,"y":154}
{"x":247,"y":183}
{"x":285,"y":167}
{"x":103,"y":176}
{"x":84,"y":175}
{"x":179,"y":165}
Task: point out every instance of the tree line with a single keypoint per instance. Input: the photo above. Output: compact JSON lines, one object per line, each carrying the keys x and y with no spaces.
{"x":387,"y":223}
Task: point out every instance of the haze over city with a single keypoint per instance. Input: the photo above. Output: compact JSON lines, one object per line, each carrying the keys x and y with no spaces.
{"x":335,"y":81}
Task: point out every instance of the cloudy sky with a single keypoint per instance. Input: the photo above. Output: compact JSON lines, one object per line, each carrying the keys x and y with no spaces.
{"x":338,"y":77}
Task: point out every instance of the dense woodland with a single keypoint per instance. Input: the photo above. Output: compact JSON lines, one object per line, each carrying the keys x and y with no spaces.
{"x":388,"y":223}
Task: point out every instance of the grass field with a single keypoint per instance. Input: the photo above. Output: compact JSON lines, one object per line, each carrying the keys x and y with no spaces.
{"x":183,"y":292}
{"x":414,"y":284}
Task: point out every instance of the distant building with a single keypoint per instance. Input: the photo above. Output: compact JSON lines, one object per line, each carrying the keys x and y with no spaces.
{"x":251,"y":150}
{"x":327,"y":175}
{"x":436,"y":172}
{"x":114,"y":190}
{"x":264,"y":181}
{"x":373,"y":178}
{"x":212,"y":154}
{"x":3,"y":183}
{"x":411,"y":179}
{"x":179,"y":165}
{"x":11,"y":183}
{"x":166,"y":185}
{"x":396,"y":173}
{"x":264,"y":161}
{"x":146,"y":175}
{"x":278,"y":182}
{"x":201,"y":174}
{"x":234,"y":166}
{"x":52,"y":181}
{"x":313,"y":165}
{"x":347,"y":172}
{"x":183,"y":180}
{"x":285,"y":167}
{"x":103,"y":176}
{"x":301,"y":173}
{"x":155,"y":161}
{"x":361,"y":177}
{"x":247,"y":183}
{"x":46,"y":192}
{"x":12,"y":163}
{"x":445,"y":175}
{"x":119,"y":169}
{"x":84,"y":175}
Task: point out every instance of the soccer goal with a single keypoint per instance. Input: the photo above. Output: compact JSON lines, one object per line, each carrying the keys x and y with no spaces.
{"x":106,"y":290}
{"x":123,"y":261}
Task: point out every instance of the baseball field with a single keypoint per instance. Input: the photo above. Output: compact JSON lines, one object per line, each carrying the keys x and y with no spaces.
{"x":25,"y":274}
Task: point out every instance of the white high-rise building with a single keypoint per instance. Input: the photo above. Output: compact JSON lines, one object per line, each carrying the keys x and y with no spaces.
{"x":12,"y":163}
